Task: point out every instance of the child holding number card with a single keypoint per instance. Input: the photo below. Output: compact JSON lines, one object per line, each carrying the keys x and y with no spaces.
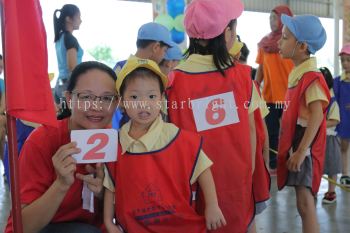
{"x":222,"y":101}
{"x":51,"y":182}
{"x":157,"y":164}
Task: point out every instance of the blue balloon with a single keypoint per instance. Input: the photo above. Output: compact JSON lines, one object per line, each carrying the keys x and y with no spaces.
{"x":177,"y":36}
{"x":175,"y":7}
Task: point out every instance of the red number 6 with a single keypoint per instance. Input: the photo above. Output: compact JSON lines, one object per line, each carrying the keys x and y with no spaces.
{"x":93,"y":153}
{"x":214,"y":113}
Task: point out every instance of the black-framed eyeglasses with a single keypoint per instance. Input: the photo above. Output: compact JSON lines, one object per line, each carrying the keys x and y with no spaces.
{"x":104,"y":99}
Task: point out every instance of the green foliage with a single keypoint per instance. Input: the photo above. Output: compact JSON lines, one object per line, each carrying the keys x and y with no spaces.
{"x":103,"y":54}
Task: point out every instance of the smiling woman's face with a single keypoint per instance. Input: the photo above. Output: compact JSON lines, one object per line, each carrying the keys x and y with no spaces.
{"x":89,"y":112}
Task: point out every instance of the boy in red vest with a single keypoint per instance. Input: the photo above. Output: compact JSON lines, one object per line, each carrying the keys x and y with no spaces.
{"x":301,"y":150}
{"x":157,"y":164}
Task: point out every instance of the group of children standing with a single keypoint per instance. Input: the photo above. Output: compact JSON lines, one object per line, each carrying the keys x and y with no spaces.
{"x":205,"y":170}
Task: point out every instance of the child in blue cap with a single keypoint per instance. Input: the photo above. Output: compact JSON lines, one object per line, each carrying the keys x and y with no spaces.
{"x":301,"y":150}
{"x":172,"y":58}
{"x":152,"y":42}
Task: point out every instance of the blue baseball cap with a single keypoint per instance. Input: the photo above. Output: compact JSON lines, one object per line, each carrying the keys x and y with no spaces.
{"x":308,"y":29}
{"x":173,"y":53}
{"x":156,"y":32}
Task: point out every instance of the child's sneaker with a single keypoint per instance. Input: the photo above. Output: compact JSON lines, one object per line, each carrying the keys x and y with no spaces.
{"x":329,"y":198}
{"x":345,"y":180}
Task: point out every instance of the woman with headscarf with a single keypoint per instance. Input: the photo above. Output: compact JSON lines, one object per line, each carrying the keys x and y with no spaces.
{"x":273,"y":70}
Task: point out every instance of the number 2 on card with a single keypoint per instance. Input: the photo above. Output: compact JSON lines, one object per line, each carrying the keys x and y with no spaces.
{"x":94,"y":152}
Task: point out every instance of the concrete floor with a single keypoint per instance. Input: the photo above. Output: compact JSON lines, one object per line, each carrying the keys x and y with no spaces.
{"x":280,"y":216}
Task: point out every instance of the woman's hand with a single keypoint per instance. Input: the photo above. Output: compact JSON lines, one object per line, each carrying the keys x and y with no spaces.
{"x":65,"y":165}
{"x":95,"y":182}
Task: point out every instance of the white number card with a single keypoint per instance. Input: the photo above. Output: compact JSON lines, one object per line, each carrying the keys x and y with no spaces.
{"x":215,"y":111}
{"x":97,"y":145}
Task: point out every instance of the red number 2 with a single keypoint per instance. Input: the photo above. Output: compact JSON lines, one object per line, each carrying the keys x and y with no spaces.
{"x":215,"y":113}
{"x":93,"y":153}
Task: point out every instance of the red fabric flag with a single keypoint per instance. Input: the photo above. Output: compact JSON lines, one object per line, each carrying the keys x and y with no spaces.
{"x":28,"y":92}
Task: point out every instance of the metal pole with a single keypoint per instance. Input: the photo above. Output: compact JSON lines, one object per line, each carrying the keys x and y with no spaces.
{"x":336,"y":36}
{"x":12,"y":142}
{"x":14,"y":175}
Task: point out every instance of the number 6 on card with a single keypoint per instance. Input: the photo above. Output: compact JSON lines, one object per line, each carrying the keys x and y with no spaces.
{"x":215,"y":111}
{"x":97,"y":145}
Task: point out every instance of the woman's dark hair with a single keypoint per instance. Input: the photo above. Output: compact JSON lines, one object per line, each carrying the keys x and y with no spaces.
{"x":140,"y":72}
{"x":216,"y":47}
{"x":68,"y":10}
{"x":327,"y":76}
{"x":85,"y":67}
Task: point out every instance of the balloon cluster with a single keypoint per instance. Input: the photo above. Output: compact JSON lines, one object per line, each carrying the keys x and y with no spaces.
{"x":174,"y":19}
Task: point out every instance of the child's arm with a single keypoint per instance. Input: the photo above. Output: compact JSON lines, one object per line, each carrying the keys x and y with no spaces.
{"x":213,"y":215}
{"x":331,"y":123}
{"x":266,"y":150}
{"x":313,"y":124}
{"x":108,"y":212}
{"x":252,"y":138}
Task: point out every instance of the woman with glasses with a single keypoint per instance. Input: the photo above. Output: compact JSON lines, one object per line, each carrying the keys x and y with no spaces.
{"x":51,"y":182}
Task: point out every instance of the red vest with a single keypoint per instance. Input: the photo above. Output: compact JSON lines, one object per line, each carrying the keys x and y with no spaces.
{"x":227,"y":146}
{"x":153,"y":190}
{"x":261,"y":176}
{"x":289,"y":121}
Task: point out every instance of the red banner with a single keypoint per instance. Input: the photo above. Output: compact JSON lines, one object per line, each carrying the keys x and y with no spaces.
{"x":28,"y":92}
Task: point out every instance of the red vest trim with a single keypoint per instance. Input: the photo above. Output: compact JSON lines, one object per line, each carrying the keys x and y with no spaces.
{"x":261,"y":176}
{"x":288,"y":126}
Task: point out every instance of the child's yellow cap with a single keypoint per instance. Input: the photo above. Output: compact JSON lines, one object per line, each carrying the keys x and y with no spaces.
{"x":236,"y":48}
{"x":134,"y":63}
